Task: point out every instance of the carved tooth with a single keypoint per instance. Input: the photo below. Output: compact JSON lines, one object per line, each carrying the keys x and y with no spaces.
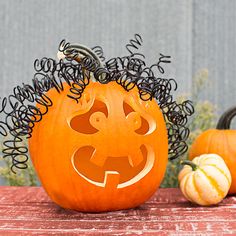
{"x":135,"y":158}
{"x":98,"y":158}
{"x":112,"y":179}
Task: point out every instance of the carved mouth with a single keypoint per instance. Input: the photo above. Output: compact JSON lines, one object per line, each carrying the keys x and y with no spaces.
{"x":117,"y":172}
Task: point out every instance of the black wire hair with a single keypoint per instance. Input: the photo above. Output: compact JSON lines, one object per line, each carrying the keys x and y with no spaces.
{"x":21,"y":113}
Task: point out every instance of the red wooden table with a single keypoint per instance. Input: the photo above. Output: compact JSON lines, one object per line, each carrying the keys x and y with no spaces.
{"x":28,"y":210}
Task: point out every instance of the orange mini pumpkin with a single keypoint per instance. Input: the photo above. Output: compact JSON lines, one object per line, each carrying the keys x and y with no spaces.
{"x":107,"y":152}
{"x":221,"y":141}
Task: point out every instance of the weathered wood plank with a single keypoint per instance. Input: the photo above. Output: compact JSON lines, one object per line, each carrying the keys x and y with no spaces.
{"x":28,"y":210}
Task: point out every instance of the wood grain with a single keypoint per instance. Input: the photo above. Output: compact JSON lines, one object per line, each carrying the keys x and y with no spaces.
{"x":29,"y":211}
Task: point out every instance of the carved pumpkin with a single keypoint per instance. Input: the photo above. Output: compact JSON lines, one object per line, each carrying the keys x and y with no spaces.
{"x":221,"y":141}
{"x":96,"y":146}
{"x":205,"y":180}
{"x":109,"y":151}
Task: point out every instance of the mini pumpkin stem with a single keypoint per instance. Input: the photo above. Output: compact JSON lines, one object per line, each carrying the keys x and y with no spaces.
{"x":226,"y":118}
{"x":189,"y":163}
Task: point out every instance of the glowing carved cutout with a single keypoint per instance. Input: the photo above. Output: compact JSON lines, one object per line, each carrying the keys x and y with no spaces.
{"x":101,"y":169}
{"x":116,"y":171}
{"x":144,"y":126}
{"x":81,"y":122}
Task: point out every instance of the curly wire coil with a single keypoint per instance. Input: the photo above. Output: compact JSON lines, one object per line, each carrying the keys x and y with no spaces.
{"x":99,"y":51}
{"x":134,"y":44}
{"x":21,"y":112}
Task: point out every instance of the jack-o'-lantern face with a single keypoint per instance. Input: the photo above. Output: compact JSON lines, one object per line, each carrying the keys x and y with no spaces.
{"x":113,"y":135}
{"x":111,"y":145}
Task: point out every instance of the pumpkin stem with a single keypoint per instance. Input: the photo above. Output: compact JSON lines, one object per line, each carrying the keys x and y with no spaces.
{"x":78,"y":52}
{"x":81,"y":50}
{"x":226,"y":118}
{"x":189,"y":163}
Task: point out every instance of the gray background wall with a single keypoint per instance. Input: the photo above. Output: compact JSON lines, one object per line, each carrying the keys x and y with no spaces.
{"x":196,"y":33}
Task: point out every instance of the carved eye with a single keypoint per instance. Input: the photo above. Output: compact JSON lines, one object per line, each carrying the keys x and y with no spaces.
{"x":82,"y":123}
{"x":139,"y":123}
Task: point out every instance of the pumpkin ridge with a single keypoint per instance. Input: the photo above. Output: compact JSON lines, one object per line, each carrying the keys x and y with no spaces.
{"x":224,"y":137}
{"x":198,"y":191}
{"x":213,"y":182}
{"x":78,"y":198}
{"x":221,"y":171}
{"x":228,"y":141}
{"x":211,"y":141}
{"x":186,"y":181}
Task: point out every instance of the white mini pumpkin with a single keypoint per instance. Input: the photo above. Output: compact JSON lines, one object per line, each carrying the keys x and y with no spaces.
{"x":205,"y":180}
